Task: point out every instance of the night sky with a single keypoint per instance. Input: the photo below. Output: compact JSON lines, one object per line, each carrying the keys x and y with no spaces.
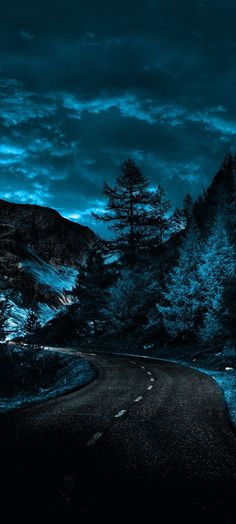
{"x":84,"y":85}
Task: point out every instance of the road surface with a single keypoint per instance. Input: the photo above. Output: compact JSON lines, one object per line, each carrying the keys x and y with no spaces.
{"x":145,"y":436}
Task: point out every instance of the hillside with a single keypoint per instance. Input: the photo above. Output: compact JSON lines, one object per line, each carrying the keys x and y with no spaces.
{"x":40,"y":254}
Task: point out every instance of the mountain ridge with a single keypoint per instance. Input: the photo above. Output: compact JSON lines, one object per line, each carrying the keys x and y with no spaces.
{"x":40,"y":256}
{"x":45,"y":230}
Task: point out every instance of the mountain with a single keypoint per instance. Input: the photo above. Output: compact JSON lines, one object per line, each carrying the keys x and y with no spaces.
{"x":54,"y":238}
{"x":41,"y":252}
{"x":40,"y":255}
{"x":220,"y":196}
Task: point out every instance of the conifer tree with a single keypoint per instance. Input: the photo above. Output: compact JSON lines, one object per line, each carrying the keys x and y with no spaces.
{"x":31,"y":328}
{"x":217,"y":268}
{"x":182,"y":296}
{"x":128,"y":302}
{"x":93,"y":279}
{"x":4,"y":315}
{"x":126,"y":209}
{"x":160,"y":219}
{"x":187,"y":208}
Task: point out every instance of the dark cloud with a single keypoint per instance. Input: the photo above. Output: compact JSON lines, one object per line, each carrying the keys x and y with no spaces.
{"x":84,"y":85}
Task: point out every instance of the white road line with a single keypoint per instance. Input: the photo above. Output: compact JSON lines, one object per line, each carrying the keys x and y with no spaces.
{"x":152,"y":379}
{"x":149,"y":387}
{"x":138,"y":399}
{"x":142,"y":367}
{"x":94,"y":439}
{"x":93,"y":354}
{"x":132,"y":362}
{"x":121,"y":413}
{"x":149,"y":372}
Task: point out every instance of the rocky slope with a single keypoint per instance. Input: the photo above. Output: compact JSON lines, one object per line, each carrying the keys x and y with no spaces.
{"x":40,"y":255}
{"x":57,"y":240}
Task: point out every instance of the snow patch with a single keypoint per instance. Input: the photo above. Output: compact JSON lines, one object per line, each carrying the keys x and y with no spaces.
{"x":60,"y":279}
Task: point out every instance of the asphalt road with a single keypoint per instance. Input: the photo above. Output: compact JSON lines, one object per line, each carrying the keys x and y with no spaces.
{"x":146,"y":436}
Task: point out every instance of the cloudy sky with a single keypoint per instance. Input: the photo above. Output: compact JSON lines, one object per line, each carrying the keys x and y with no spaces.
{"x":86,"y":84}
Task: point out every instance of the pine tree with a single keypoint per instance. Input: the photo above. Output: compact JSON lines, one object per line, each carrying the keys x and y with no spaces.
{"x":31,"y":329}
{"x":93,"y":279}
{"x":159,"y":218}
{"x":4,"y":316}
{"x":217,"y":268}
{"x":182,"y":295}
{"x":128,"y":302}
{"x":126,"y":209}
{"x":187,"y":208}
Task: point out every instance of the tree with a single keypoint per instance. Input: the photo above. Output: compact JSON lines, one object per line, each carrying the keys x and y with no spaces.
{"x":93,"y":279}
{"x":31,"y":328}
{"x":126,"y":209}
{"x":182,"y":295}
{"x":162,"y":224}
{"x":159,"y":218}
{"x":187,"y":208}
{"x":217,"y":268}
{"x":5,"y":308}
{"x":128,"y":302}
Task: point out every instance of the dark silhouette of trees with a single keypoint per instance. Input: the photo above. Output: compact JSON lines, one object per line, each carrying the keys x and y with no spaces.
{"x":126,"y":211}
{"x":93,"y":280}
{"x":182,"y":294}
{"x":217,"y":269}
{"x":160,"y":218}
{"x":187,"y":208}
{"x":5,"y":308}
{"x":31,"y":329}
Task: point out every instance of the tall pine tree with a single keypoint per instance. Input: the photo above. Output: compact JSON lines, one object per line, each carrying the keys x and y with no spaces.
{"x":182,"y":296}
{"x":217,"y":268}
{"x":187,"y":208}
{"x":31,"y":328}
{"x":5,"y":308}
{"x":160,"y":218}
{"x":93,"y":280}
{"x":126,"y":209}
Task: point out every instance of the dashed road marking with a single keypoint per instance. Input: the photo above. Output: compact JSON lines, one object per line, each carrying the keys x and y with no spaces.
{"x":142,"y":367}
{"x":138,"y":399}
{"x":94,"y":439}
{"x":152,"y":379}
{"x":132,"y":362}
{"x":93,"y":354}
{"x":149,"y":387}
{"x":149,"y":372}
{"x":120,"y":413}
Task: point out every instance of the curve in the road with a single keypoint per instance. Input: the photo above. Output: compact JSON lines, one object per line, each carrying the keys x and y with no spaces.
{"x":139,"y":431}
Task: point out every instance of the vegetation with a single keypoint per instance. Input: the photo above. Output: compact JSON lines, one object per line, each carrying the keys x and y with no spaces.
{"x":25,"y":372}
{"x":172,"y":279}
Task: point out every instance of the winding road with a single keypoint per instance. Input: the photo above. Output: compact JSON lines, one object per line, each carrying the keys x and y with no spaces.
{"x":145,"y":436}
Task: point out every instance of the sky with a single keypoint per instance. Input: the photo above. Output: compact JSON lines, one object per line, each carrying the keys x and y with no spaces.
{"x":85,"y":85}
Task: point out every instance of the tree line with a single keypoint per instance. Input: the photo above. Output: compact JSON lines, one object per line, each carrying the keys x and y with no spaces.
{"x":166,"y":276}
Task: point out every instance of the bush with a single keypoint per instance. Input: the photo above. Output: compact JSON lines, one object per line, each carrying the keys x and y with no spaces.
{"x":25,"y":371}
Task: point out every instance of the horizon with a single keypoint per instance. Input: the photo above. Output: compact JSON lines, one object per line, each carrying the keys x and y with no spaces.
{"x":97,"y":227}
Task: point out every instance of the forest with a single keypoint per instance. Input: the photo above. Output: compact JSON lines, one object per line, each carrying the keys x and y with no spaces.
{"x":166,"y":276}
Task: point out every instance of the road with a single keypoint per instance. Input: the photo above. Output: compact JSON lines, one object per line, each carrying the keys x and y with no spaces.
{"x":145,"y":436}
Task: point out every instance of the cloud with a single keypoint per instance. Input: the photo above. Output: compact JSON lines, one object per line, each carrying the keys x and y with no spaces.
{"x":19,"y":105}
{"x":127,"y":104}
{"x":39,"y":195}
{"x":84,"y":85}
{"x":214,"y":123}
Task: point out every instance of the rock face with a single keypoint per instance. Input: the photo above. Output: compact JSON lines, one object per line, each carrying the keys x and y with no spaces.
{"x":52,"y":237}
{"x":40,"y":255}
